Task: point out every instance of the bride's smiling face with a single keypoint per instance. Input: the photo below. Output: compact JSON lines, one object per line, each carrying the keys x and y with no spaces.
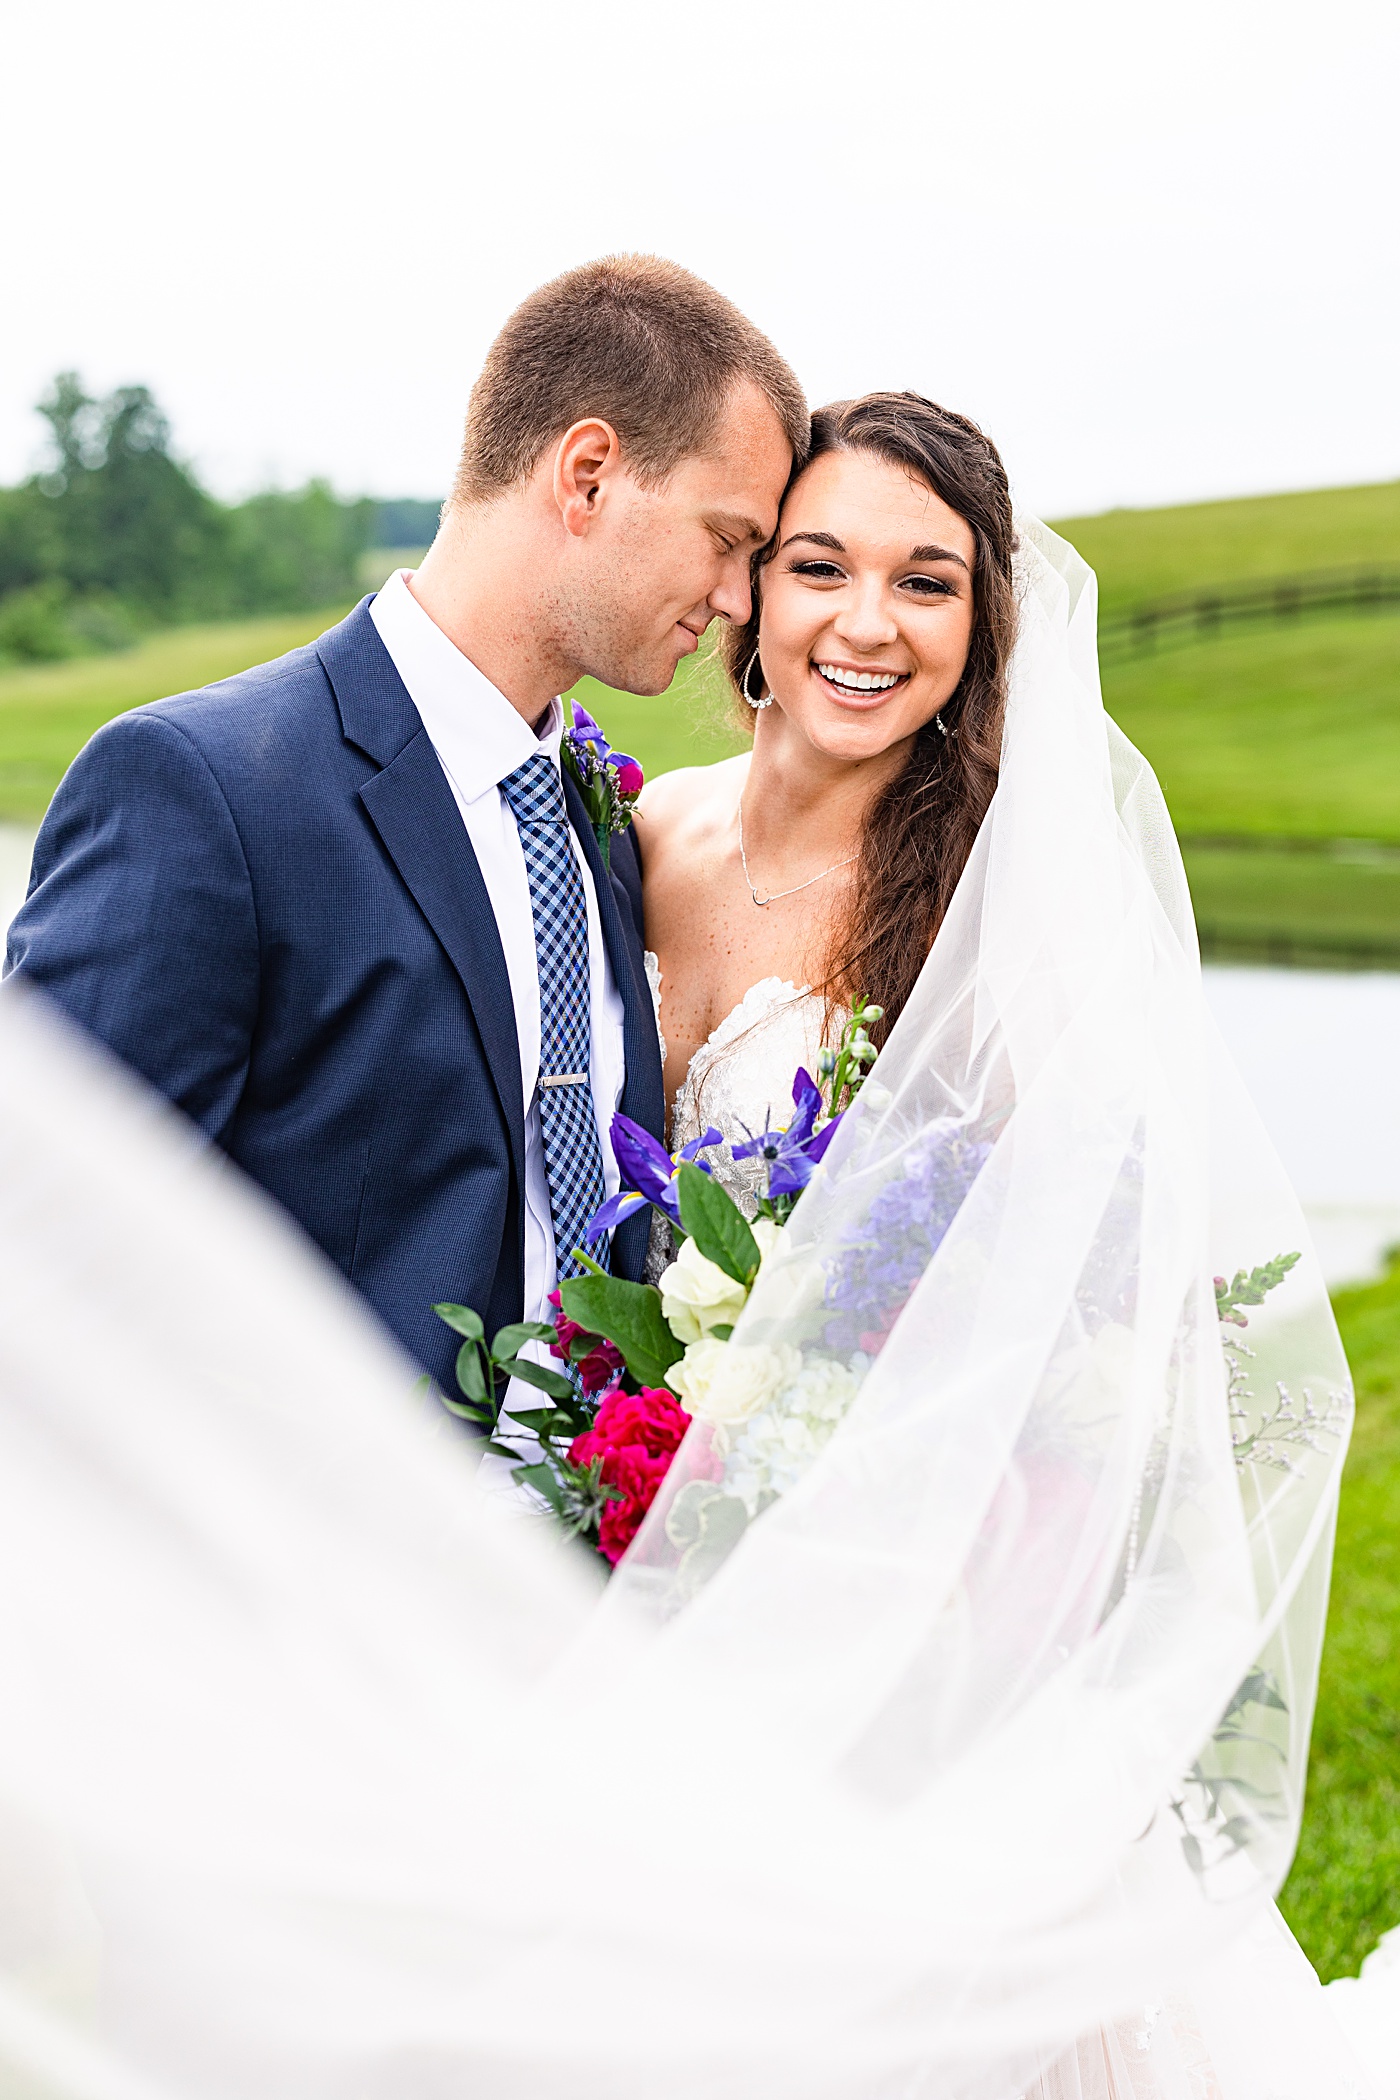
{"x":867,"y":605}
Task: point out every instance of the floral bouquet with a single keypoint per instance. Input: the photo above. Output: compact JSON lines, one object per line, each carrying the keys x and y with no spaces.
{"x":641,"y":1362}
{"x":643,"y":1359}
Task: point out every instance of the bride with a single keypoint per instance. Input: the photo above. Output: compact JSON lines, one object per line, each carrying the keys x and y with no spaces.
{"x":785,"y":885}
{"x":942,"y":1734}
{"x":781,"y":886}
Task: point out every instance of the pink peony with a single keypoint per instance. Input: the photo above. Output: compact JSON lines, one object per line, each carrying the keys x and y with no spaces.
{"x":630,"y":777}
{"x":636,"y":1435}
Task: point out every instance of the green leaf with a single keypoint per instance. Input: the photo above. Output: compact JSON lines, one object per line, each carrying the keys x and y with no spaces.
{"x":470,"y":1376}
{"x":586,"y":1262}
{"x":545,"y":1381}
{"x":707,"y":1524}
{"x":629,"y":1315}
{"x":462,"y":1320}
{"x":511,"y":1340}
{"x":716,"y":1224}
{"x":501,"y":1450}
{"x":541,"y":1479}
{"x":542,"y":1421}
{"x":723,"y":1331}
{"x":482,"y":1416}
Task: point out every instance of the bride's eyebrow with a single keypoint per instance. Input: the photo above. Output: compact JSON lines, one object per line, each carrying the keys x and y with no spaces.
{"x":814,"y":539}
{"x":936,"y":554}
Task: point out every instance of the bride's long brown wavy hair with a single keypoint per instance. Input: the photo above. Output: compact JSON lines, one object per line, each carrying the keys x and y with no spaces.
{"x":920,"y":828}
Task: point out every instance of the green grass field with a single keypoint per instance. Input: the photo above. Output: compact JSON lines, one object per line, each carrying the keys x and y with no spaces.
{"x":48,"y":713}
{"x":1141,"y":554}
{"x":1278,"y":731}
{"x":1344,"y":1890}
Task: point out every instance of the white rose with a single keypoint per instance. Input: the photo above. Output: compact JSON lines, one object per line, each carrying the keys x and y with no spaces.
{"x":767,"y":1234}
{"x":696,"y":1295}
{"x":729,"y":1381}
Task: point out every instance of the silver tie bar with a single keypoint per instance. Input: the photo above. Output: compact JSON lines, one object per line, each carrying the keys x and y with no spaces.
{"x":563,"y":1079}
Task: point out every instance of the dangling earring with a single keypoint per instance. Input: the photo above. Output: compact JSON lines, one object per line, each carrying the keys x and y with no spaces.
{"x":939,"y":724}
{"x":744,"y":686}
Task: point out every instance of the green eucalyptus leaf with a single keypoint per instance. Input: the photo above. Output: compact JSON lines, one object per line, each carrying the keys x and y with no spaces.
{"x":628,"y":1315}
{"x":716,"y":1224}
{"x":542,"y":1421}
{"x":541,"y":1479}
{"x":482,"y":1416}
{"x":462,"y":1320}
{"x":538,"y":1375}
{"x":470,"y":1376}
{"x":509,"y":1341}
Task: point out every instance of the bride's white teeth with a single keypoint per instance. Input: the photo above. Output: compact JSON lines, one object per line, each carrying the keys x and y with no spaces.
{"x":859,"y":681}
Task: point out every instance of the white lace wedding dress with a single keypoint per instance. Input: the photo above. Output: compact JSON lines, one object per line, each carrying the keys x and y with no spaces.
{"x":742,"y":1075}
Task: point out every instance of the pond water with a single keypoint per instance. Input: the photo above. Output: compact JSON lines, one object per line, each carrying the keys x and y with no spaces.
{"x":1319,"y":1051}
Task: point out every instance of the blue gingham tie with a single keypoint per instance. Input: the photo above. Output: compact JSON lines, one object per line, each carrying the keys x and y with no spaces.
{"x":573,"y":1160}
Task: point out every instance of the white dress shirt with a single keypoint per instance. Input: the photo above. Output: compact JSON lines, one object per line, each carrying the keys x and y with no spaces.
{"x":479,"y":738}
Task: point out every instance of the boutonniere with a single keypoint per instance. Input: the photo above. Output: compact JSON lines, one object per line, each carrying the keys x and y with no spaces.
{"x":609,"y":781}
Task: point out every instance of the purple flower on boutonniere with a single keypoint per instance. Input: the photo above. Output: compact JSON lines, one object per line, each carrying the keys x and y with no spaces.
{"x":609,"y":781}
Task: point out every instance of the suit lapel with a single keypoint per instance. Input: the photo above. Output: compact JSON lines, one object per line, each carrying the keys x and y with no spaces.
{"x":412,"y":808}
{"x":416,"y":816}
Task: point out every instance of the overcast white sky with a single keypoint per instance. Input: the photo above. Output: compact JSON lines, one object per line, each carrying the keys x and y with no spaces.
{"x":1153,"y":248}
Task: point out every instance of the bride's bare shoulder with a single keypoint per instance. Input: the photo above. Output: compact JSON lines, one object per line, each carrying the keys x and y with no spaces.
{"x":682,"y":812}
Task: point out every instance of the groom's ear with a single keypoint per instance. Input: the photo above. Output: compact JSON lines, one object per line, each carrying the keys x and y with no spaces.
{"x":586,"y":459}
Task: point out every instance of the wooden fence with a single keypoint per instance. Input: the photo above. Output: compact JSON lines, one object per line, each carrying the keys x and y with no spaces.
{"x":1192,"y":616}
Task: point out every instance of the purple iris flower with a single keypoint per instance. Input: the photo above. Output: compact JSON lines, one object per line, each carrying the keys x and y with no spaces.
{"x":792,"y":1154}
{"x":596,"y":754}
{"x":648,"y":1173}
{"x":586,"y":731}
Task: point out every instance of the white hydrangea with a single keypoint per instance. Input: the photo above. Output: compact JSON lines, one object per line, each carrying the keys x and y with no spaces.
{"x":769,"y":1453}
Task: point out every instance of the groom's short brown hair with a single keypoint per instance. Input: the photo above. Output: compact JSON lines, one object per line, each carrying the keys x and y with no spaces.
{"x":633,"y":339}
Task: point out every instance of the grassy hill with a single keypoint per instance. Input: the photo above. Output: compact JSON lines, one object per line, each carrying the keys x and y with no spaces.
{"x":1278,"y":748}
{"x":1142,"y":554}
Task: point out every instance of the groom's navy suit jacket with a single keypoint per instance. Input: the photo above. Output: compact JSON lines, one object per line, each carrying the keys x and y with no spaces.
{"x":262,"y":896}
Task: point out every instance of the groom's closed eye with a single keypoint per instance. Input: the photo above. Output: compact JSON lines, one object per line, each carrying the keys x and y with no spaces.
{"x":736,"y":531}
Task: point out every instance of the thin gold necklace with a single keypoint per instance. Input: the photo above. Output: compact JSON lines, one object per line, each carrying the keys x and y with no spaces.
{"x":777,"y":897}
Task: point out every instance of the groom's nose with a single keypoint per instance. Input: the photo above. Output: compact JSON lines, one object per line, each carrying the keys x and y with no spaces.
{"x":732,"y":597}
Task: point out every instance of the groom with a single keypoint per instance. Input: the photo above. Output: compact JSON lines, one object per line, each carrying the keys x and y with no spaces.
{"x":344,"y":911}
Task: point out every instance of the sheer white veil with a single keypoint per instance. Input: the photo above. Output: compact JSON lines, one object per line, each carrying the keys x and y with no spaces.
{"x":953,"y":1700}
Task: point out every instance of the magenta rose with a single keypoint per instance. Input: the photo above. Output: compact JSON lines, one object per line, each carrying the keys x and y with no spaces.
{"x":630,"y":777}
{"x":602,"y":1363}
{"x":636,"y":1435}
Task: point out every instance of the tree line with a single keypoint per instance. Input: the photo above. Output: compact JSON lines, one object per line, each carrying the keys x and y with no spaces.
{"x":117,"y":536}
